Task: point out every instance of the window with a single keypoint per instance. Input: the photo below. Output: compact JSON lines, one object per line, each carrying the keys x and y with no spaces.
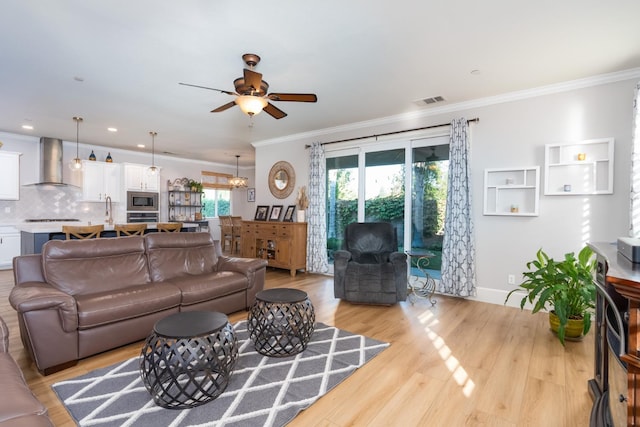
{"x":216,"y":202}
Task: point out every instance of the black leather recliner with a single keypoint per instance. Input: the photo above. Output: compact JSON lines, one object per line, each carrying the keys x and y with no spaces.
{"x":369,"y":269}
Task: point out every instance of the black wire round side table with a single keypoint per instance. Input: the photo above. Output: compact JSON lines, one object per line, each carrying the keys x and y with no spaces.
{"x":281,"y":322}
{"x":188,"y":359}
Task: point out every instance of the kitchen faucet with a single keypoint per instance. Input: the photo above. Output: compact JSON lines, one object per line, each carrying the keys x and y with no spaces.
{"x":109,"y":212}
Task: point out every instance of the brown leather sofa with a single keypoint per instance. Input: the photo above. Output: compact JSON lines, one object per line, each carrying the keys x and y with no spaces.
{"x":18,"y":406}
{"x":82,"y":297}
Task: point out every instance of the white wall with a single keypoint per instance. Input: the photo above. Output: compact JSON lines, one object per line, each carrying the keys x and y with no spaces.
{"x":512,"y":134}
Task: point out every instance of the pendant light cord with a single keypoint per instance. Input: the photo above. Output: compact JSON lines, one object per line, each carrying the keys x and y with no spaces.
{"x":77,"y":119}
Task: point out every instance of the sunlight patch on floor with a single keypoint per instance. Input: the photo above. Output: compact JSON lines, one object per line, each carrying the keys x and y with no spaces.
{"x":458,"y":373}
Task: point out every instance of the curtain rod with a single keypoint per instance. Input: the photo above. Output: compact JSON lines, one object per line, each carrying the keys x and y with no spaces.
{"x":476,"y":119}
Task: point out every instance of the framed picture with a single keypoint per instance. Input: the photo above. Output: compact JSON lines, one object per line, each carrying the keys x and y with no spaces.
{"x":288,"y":214}
{"x":276,"y":211}
{"x":261,"y":213}
{"x":251,"y":195}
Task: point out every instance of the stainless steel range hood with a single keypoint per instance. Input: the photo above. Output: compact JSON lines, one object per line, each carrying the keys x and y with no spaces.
{"x":50,"y":162}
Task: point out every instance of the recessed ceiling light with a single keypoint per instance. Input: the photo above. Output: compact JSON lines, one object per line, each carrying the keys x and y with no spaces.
{"x":112,"y":129}
{"x":140,"y":145}
{"x":78,"y":79}
{"x":27,"y":127}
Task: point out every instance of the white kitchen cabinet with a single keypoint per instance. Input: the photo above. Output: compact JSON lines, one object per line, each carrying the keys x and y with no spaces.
{"x":101,"y":179}
{"x":9,"y":246}
{"x":584,"y":167}
{"x":138,"y":178}
{"x":9,"y":175}
{"x":512,"y":191}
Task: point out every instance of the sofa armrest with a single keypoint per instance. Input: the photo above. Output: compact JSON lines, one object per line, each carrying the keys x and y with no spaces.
{"x":246,"y":266}
{"x":4,"y":337}
{"x":399,"y":258}
{"x":341,"y":259}
{"x":32,"y":296}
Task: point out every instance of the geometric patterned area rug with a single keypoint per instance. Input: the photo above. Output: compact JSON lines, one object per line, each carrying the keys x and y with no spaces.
{"x":263,"y":391}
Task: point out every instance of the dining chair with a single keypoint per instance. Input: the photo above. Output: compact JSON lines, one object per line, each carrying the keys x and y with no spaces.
{"x":170,"y":227}
{"x":226,"y":233}
{"x":236,"y":235}
{"x":82,"y":231}
{"x":130,"y":229}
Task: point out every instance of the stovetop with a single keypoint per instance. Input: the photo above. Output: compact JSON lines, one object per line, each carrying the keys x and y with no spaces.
{"x":51,"y":220}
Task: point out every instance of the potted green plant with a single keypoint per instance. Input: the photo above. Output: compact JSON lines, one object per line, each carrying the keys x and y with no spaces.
{"x":195,"y":186}
{"x":565,"y":288}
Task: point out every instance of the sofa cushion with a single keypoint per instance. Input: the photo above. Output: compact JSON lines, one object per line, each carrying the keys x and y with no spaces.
{"x":205,"y":287}
{"x":82,"y":267}
{"x":173,"y":255}
{"x":135,"y":301}
{"x":18,"y":400}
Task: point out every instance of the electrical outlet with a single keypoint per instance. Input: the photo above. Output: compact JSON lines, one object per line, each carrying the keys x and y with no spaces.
{"x":511,"y":279}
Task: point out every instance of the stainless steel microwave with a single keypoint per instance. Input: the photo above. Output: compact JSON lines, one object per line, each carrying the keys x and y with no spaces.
{"x":142,"y":201}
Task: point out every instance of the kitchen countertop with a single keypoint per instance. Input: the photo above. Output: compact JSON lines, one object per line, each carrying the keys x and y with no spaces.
{"x":56,"y":227}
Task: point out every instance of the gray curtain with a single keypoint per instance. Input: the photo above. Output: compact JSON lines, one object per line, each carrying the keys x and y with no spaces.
{"x":634,"y":214}
{"x":458,"y":246}
{"x":317,"y":261}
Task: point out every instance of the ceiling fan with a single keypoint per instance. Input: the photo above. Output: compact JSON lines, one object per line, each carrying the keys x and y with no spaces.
{"x":251,"y":92}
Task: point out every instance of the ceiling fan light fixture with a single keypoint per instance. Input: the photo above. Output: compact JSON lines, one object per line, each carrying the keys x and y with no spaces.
{"x":251,"y":104}
{"x":238,"y":181}
{"x":76,"y":163}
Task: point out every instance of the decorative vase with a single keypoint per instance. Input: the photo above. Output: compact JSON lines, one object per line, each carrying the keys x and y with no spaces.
{"x":300,"y":215}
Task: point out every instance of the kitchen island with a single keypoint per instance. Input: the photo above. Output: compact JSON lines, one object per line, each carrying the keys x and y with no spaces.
{"x":33,"y":236}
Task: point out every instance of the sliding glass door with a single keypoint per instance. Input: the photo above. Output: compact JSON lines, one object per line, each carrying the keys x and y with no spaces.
{"x":342,"y":199}
{"x":384,"y":173}
{"x":429,"y":166}
{"x":402,"y":182}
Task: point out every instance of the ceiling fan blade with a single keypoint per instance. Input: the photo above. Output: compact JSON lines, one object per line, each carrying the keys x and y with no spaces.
{"x":210,"y":88}
{"x":252,"y":79}
{"x":296,"y":97}
{"x":274,"y":111}
{"x":224,"y":107}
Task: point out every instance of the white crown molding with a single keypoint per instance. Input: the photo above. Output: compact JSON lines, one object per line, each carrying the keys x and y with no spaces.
{"x":597,"y":80}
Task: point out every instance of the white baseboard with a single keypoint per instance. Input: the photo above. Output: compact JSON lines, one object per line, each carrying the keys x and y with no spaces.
{"x":497,"y":296}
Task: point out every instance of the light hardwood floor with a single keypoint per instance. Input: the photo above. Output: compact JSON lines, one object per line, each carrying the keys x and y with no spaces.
{"x":459,"y":363}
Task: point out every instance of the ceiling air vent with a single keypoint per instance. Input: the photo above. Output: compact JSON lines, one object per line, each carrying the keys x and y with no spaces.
{"x":429,"y":101}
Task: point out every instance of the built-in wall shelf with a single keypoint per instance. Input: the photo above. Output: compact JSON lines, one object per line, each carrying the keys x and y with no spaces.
{"x":512,"y":191}
{"x":580,"y":168}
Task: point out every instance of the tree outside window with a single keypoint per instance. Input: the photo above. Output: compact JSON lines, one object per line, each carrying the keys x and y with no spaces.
{"x":216,"y":202}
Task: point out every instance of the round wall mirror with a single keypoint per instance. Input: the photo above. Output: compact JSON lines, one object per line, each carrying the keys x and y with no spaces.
{"x":282,"y":179}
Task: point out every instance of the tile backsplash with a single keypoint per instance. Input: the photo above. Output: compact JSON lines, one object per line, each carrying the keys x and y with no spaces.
{"x":56,"y":202}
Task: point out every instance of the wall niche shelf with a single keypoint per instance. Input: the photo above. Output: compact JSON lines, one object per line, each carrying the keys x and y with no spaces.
{"x":580,"y":168}
{"x":512,"y":191}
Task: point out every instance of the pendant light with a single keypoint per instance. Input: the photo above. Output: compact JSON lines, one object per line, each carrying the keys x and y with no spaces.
{"x":153,"y":169}
{"x":76,"y":164}
{"x":238,"y":181}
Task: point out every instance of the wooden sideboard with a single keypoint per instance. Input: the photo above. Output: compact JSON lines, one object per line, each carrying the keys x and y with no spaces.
{"x":616,"y":383}
{"x":282,"y":244}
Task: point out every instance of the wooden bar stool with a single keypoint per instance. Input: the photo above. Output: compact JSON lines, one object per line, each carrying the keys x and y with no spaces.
{"x":174,"y":227}
{"x":130,"y":229}
{"x":82,"y":231}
